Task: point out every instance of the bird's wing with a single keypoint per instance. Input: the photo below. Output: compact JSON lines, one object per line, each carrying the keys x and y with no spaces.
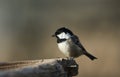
{"x":75,"y":39}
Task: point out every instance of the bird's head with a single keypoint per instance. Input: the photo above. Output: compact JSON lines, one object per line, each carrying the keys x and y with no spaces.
{"x":62,"y":33}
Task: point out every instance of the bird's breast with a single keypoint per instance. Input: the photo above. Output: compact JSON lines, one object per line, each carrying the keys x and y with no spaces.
{"x":69,"y":49}
{"x":64,"y":48}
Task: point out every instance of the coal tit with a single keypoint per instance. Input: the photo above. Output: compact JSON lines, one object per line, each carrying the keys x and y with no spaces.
{"x":69,"y":44}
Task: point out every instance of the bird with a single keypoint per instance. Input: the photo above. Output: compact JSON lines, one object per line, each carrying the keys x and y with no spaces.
{"x":69,"y":44}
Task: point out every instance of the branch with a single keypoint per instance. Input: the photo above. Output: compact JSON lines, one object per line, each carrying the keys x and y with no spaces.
{"x":57,"y":67}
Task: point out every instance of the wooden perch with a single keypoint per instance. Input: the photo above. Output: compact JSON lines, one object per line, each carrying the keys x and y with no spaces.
{"x":40,"y":68}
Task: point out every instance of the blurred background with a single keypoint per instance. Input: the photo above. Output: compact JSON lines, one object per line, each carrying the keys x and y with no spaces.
{"x":26,"y":27}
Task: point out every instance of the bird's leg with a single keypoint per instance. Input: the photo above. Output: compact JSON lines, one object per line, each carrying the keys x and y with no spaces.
{"x":70,"y":58}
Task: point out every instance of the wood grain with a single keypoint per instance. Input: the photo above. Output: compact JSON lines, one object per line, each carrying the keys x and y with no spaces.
{"x":57,"y":67}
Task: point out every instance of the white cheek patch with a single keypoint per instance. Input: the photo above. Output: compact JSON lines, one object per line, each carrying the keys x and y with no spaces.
{"x":64,"y":35}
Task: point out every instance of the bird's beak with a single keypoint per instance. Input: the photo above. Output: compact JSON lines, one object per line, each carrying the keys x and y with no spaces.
{"x":53,"y":35}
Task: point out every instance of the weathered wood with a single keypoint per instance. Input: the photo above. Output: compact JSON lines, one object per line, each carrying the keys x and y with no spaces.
{"x":57,"y":67}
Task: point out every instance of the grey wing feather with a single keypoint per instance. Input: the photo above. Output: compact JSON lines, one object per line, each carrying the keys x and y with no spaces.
{"x":75,"y":39}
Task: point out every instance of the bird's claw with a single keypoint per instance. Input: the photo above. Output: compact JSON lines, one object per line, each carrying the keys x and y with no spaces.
{"x":70,"y":58}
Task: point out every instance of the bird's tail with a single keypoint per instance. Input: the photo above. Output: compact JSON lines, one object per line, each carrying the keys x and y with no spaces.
{"x":90,"y":56}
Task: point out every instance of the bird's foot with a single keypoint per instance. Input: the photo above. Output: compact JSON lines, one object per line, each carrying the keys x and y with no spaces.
{"x":70,"y":58}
